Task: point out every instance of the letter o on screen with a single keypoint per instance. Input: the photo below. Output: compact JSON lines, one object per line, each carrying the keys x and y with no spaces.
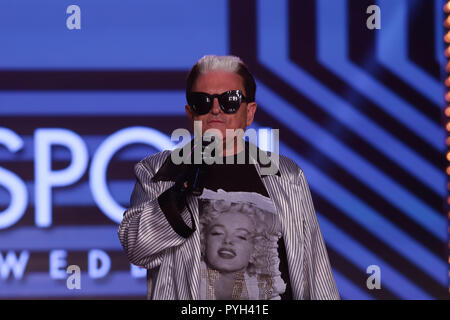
{"x":104,"y":154}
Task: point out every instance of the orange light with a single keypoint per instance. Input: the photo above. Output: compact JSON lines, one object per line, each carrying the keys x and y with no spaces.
{"x":447,"y":97}
{"x":447,"y":81}
{"x":447,"y":37}
{"x":448,"y":201}
{"x":447,"y":111}
{"x":448,"y":171}
{"x":448,"y":157}
{"x":447,"y":7}
{"x":447,"y":52}
{"x":447,"y":22}
{"x":448,"y":126}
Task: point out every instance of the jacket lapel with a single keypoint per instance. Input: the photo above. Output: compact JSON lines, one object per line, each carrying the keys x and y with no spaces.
{"x":192,"y":255}
{"x":284,"y":197}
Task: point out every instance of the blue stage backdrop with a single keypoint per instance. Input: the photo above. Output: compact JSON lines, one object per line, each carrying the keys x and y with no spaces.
{"x":359,"y":109}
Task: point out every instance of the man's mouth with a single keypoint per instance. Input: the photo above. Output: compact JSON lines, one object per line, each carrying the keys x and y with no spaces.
{"x":215,"y":121}
{"x":226,"y":253}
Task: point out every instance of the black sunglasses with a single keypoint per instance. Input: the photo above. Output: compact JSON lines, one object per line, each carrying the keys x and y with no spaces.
{"x":229,"y":101}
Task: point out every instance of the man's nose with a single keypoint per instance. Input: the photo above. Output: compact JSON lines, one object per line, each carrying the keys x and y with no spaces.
{"x":216,"y":107}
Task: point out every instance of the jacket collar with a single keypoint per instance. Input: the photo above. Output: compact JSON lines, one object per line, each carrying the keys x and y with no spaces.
{"x":169,"y":171}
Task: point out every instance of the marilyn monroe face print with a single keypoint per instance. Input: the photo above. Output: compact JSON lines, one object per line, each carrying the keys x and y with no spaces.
{"x":229,"y":242}
{"x":239,"y":233}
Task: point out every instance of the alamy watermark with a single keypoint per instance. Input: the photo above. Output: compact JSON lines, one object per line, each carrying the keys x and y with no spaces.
{"x":374,"y":280}
{"x":208,"y":147}
{"x":74,"y":280}
{"x":74,"y":20}
{"x":374,"y":20}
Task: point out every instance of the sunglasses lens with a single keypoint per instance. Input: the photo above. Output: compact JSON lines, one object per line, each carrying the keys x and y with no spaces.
{"x":200,"y":102}
{"x":230,"y":101}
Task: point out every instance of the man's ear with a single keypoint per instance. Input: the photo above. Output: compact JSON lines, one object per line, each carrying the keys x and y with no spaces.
{"x":188,"y":110}
{"x":251,"y":109}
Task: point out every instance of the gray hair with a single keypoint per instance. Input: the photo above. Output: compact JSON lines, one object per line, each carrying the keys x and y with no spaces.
{"x":223,"y":63}
{"x":218,"y":63}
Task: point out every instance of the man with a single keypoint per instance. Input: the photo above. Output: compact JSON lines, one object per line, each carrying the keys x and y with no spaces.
{"x":160,"y":230}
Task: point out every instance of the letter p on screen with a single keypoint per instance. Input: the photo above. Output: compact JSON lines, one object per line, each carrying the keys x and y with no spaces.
{"x":45,"y":177}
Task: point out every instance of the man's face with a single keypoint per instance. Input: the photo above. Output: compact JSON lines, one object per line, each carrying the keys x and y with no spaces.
{"x":217,"y":82}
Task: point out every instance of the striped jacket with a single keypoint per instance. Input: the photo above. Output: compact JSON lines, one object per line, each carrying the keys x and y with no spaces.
{"x":173,"y":261}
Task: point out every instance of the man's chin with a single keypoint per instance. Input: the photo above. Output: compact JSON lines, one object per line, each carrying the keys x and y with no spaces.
{"x":214,"y":128}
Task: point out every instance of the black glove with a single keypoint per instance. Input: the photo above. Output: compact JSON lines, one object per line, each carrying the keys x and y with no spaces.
{"x":173,"y":202}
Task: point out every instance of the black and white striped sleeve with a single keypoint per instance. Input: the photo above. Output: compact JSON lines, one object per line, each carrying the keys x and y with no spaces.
{"x":319,"y":276}
{"x":145,"y":233}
